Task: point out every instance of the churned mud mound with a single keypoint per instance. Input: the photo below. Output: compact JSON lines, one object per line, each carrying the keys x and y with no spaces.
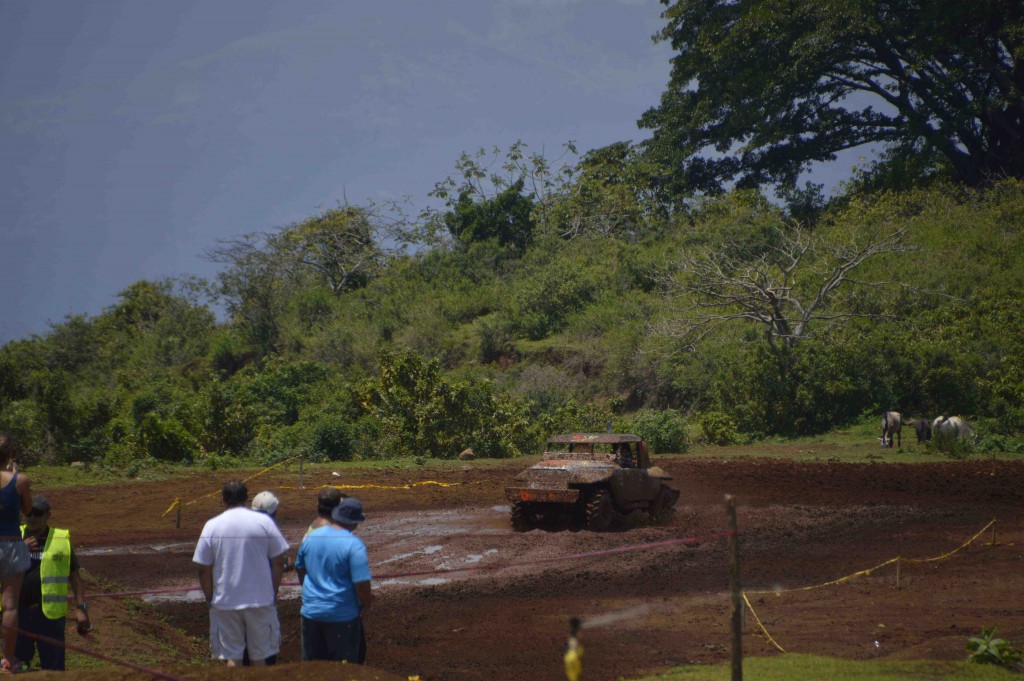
{"x":461,"y":596}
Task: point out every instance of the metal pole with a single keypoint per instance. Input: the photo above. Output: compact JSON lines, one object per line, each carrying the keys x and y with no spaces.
{"x":734,"y":588}
{"x":899,"y":556}
{"x":302,"y":461}
{"x":177,"y":522}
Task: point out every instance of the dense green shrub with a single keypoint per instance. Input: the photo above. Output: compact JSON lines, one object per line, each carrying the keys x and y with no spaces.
{"x":718,"y":428}
{"x":277,"y":391}
{"x":423,"y":412}
{"x":22,"y":420}
{"x":577,"y":417}
{"x":165,"y":439}
{"x":995,"y":442}
{"x":539,"y":305}
{"x":493,"y":339}
{"x":547,"y":387}
{"x":664,"y":430}
{"x":228,"y":353}
{"x":313,"y":307}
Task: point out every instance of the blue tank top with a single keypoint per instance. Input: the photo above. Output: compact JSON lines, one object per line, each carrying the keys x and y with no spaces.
{"x":10,"y":510}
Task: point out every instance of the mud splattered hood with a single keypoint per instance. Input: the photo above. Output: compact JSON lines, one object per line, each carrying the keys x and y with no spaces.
{"x":563,"y":472}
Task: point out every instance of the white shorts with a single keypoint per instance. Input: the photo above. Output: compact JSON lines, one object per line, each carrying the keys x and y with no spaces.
{"x":232,"y":630}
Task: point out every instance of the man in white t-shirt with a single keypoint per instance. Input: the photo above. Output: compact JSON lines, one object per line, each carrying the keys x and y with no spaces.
{"x":238,"y":580}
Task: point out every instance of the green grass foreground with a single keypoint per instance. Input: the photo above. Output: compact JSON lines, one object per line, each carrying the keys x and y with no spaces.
{"x":812,"y":667}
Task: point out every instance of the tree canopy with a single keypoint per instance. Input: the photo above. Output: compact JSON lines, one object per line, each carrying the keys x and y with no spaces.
{"x":760,"y":89}
{"x":506,"y":217}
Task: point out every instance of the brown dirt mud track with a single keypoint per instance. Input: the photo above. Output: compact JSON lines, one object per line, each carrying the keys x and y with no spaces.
{"x":505,"y":617}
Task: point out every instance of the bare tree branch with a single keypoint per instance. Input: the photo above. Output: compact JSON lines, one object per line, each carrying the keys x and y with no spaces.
{"x":791,"y":285}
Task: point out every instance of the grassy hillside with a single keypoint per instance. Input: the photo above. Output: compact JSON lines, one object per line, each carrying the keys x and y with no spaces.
{"x":493,"y":345}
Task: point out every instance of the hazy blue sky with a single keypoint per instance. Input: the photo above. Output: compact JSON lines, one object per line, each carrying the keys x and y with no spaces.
{"x":134,"y":134}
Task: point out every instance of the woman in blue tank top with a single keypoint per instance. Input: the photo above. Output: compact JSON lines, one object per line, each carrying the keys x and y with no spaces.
{"x":15,"y":499}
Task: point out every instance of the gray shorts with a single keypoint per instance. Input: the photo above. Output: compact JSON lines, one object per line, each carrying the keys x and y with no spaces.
{"x":234,"y":631}
{"x":14,"y":558}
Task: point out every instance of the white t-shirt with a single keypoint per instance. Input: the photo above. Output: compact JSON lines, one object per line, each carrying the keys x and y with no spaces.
{"x":239,"y":544}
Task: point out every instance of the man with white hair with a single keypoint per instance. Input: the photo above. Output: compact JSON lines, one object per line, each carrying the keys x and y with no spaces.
{"x":266,"y":502}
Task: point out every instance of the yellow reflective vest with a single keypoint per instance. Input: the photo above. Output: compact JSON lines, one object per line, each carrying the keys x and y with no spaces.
{"x":54,"y":571}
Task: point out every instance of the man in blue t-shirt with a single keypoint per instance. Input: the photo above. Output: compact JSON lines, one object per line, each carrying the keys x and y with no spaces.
{"x":335,"y":576}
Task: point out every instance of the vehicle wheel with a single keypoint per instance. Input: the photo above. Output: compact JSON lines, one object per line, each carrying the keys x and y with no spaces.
{"x":599,"y":510}
{"x":663,"y":503}
{"x":520,"y":518}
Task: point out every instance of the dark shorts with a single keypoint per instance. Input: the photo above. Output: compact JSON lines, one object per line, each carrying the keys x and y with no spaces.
{"x":334,"y":640}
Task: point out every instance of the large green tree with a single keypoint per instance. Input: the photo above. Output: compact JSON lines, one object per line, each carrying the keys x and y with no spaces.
{"x":502,"y":197}
{"x":506,"y":218}
{"x":340,"y":249}
{"x":760,"y":89}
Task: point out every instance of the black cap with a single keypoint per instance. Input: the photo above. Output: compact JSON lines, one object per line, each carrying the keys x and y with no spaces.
{"x":40,"y":504}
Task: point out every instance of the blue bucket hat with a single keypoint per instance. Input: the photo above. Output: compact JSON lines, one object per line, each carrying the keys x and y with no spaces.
{"x":348,"y":512}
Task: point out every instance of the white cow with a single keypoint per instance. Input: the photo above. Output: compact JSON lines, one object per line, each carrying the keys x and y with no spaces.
{"x":892,"y":423}
{"x":952,"y":426}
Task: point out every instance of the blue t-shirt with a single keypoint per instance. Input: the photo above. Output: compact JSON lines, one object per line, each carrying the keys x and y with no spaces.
{"x":334,"y":560}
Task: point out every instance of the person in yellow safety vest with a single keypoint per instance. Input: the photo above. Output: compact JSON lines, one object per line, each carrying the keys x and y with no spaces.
{"x":43,"y":607}
{"x":573,"y":657}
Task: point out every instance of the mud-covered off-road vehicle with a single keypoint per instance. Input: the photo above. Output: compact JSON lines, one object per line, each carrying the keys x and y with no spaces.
{"x":590,"y":478}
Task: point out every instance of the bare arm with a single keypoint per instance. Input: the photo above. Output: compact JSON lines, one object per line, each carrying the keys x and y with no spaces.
{"x":205,"y":573}
{"x":22,"y":485}
{"x":276,"y":572}
{"x":364,"y":591}
{"x":82,"y":623}
{"x":75,"y":582}
{"x":302,"y":575}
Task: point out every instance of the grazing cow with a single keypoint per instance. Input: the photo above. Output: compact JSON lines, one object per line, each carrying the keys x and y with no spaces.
{"x":891,"y":425}
{"x":952,"y":426}
{"x":923,"y":428}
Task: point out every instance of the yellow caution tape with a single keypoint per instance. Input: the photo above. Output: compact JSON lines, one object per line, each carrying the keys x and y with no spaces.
{"x":950,"y":553}
{"x":756,"y":619}
{"x":251,"y":477}
{"x":847,"y":578}
{"x":868,"y":571}
{"x":176,"y":502}
{"x":270,"y":468}
{"x":779,"y":592}
{"x":409,"y":486}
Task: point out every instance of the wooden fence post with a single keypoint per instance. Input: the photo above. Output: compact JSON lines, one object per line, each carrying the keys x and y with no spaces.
{"x":734,"y":588}
{"x":302,"y":461}
{"x":899,"y":556}
{"x":177,"y":522}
